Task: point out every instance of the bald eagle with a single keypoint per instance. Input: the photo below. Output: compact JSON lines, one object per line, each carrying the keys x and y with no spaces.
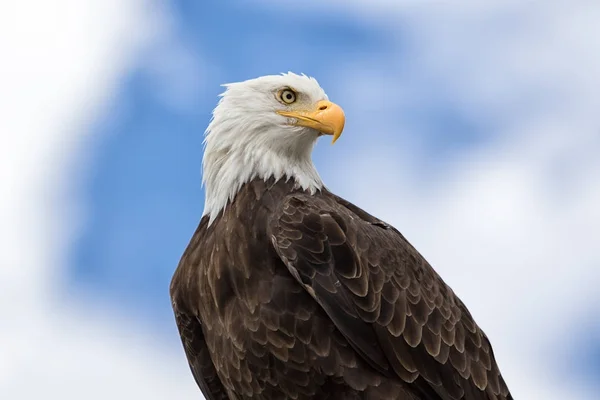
{"x":287,"y":291}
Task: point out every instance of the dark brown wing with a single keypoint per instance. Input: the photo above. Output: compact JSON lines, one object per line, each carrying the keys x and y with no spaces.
{"x":198,"y":357}
{"x":386,"y":299}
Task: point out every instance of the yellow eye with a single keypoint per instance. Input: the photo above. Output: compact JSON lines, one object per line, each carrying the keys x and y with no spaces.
{"x":288,"y":96}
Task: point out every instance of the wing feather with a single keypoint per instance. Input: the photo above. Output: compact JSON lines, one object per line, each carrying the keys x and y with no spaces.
{"x":199,"y":359}
{"x":385,"y":298}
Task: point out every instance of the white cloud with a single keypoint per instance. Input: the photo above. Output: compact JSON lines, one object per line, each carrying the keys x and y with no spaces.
{"x":73,"y":354}
{"x":60,"y":64}
{"x":511,"y":224}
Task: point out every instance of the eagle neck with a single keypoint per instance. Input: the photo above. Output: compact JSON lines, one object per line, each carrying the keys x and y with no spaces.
{"x":227,"y":170}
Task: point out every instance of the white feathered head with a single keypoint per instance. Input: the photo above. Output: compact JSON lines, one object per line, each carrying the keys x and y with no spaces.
{"x":266,"y":128}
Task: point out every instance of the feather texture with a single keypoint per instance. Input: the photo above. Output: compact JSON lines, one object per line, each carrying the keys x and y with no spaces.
{"x":293,"y":295}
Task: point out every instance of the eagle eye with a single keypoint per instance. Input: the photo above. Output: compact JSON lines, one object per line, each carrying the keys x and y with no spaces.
{"x":288,"y":96}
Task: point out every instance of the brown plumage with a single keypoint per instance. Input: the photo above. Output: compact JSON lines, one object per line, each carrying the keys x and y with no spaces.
{"x":292,"y":295}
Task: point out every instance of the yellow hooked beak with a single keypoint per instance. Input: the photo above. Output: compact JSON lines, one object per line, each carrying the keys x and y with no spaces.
{"x":327,"y":118}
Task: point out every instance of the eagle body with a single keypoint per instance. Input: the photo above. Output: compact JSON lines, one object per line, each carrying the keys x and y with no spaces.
{"x":266,"y":336}
{"x":356,"y":313}
{"x":287,"y":291}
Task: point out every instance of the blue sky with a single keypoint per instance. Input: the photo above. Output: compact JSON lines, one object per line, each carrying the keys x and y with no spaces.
{"x":467,"y":128}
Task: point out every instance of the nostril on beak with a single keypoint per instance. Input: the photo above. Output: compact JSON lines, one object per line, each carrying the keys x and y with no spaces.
{"x":323,"y":107}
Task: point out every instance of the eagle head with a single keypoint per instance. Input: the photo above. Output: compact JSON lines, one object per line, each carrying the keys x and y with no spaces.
{"x":266,"y":128}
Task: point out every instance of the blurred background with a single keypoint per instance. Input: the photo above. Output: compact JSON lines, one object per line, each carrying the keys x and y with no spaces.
{"x":472,"y":127}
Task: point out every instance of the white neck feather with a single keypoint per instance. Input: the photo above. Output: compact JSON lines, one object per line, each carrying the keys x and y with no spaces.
{"x":258,"y":152}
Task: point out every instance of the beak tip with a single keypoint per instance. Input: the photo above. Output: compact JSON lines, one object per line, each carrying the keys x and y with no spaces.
{"x":336,"y":136}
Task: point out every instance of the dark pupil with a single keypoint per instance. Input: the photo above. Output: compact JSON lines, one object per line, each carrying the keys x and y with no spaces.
{"x":288,"y":96}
